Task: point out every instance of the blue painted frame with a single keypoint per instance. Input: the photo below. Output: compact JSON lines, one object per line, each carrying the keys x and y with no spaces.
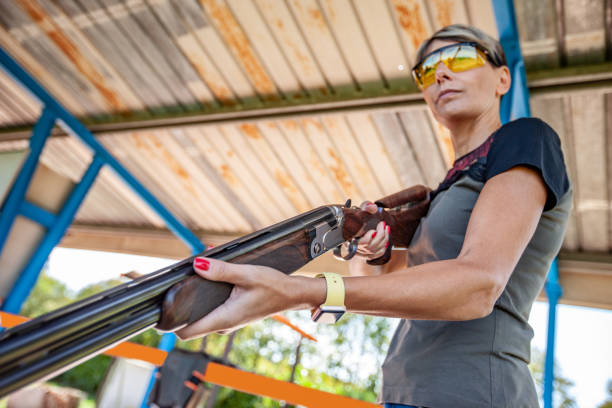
{"x":16,"y":196}
{"x":15,"y":203}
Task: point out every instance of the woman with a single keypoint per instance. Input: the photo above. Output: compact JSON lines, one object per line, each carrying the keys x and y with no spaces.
{"x":477,"y":261}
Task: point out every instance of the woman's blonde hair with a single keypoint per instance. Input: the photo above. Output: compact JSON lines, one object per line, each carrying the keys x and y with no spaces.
{"x":464,"y":33}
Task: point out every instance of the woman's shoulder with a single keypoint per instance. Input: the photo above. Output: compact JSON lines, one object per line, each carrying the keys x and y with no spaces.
{"x":525,"y":128}
{"x":533,"y":143}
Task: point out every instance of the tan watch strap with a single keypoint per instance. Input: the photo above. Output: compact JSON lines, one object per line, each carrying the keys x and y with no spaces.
{"x":335,"y":289}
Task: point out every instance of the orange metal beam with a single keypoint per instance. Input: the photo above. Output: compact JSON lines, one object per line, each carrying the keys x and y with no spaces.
{"x":284,"y":320}
{"x":279,"y":390}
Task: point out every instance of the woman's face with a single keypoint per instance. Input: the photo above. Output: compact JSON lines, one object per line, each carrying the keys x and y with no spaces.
{"x":467,"y":95}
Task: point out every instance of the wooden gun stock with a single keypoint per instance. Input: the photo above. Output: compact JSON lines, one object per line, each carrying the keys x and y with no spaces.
{"x":402,"y":212}
{"x":195,"y":297}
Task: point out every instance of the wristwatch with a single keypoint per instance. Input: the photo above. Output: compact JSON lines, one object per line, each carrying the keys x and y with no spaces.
{"x":333,"y":309}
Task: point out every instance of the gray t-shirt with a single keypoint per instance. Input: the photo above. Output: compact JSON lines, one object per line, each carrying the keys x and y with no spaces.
{"x":481,"y":362}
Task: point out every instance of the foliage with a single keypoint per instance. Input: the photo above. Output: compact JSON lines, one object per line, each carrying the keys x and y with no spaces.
{"x":48,"y":294}
{"x":561,"y":385}
{"x":94,"y":288}
{"x":608,"y":402}
{"x":348,"y":366}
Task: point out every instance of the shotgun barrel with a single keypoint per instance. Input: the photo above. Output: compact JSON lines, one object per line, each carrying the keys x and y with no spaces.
{"x":50,"y":344}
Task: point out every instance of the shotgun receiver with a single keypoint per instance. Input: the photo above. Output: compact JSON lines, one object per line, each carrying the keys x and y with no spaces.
{"x":173,"y":297}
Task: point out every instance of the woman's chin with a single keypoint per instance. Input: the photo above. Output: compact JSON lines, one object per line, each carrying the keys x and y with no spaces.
{"x":451,"y":112}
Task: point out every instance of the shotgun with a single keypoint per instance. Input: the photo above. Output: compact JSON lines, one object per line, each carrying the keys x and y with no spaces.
{"x":175,"y":296}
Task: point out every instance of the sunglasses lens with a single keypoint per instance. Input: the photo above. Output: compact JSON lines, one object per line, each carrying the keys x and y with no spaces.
{"x":428,"y":70}
{"x":463,"y":58}
{"x":457,"y":58}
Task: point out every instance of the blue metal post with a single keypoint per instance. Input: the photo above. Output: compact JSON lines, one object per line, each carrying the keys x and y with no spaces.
{"x":166,"y":343}
{"x":515,"y":104}
{"x":29,"y":275}
{"x":553,"y":292}
{"x":77,"y":129}
{"x":16,"y":196}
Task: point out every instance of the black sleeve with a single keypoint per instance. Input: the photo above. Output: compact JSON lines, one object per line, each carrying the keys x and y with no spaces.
{"x":530,"y":142}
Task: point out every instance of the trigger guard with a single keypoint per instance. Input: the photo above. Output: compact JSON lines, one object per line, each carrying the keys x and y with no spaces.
{"x":352,"y":250}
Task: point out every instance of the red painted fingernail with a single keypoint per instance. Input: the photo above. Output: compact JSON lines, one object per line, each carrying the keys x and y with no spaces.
{"x":374,"y":234}
{"x":384,"y":224}
{"x":388,"y":228}
{"x":202,"y":264}
{"x":387,"y":244}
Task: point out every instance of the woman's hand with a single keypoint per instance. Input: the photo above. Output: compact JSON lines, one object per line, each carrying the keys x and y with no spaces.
{"x":258,"y":292}
{"x":374,"y":243}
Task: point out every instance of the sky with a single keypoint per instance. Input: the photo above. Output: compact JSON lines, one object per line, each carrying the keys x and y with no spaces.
{"x":583,"y":342}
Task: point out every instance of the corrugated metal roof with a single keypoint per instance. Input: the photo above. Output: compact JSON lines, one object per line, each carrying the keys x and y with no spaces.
{"x":165,"y":56}
{"x":110,"y":60}
{"x":238,"y":177}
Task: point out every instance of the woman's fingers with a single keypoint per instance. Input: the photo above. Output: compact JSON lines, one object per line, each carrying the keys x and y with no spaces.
{"x":374,"y":242}
{"x":369,"y":207}
{"x":224,"y":317}
{"x":216,"y":270}
{"x":379,"y":238}
{"x":258,"y":292}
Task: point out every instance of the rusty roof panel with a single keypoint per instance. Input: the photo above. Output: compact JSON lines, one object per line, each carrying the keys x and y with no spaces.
{"x":266,"y":48}
{"x":369,"y":141}
{"x":237,"y":41}
{"x":117,"y":96}
{"x":313,"y":164}
{"x":26,"y":32}
{"x":323,"y":45}
{"x":414,"y":25}
{"x":188,"y":43}
{"x":357,"y":51}
{"x":381,"y":30}
{"x":293,"y":45}
{"x":14,"y":108}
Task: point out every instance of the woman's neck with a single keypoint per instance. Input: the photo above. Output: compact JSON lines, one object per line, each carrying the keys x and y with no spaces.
{"x":468,"y":135}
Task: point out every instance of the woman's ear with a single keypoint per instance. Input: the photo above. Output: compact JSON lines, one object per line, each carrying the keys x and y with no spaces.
{"x":504,"y":81}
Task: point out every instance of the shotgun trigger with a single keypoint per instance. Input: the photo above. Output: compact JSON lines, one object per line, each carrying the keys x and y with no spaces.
{"x":352,"y":250}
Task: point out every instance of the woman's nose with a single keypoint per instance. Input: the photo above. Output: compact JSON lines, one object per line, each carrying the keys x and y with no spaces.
{"x":442,"y":73}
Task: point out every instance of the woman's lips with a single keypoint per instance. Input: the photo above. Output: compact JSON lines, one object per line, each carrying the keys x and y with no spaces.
{"x":447,"y":93}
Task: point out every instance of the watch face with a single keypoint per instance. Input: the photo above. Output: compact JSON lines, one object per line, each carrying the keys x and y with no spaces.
{"x":328,"y":314}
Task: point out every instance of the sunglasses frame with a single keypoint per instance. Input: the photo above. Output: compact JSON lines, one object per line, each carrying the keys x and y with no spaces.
{"x":440,"y":50}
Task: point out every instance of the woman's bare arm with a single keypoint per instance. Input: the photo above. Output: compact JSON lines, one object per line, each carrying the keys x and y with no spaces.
{"x":502,"y":223}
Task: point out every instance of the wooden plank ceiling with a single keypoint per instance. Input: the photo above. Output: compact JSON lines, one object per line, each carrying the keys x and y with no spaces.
{"x":110,"y":61}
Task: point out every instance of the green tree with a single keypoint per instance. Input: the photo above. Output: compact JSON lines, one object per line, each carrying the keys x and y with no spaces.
{"x":48,"y":294}
{"x":268,"y":348}
{"x":562,"y":397}
{"x":608,"y":402}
